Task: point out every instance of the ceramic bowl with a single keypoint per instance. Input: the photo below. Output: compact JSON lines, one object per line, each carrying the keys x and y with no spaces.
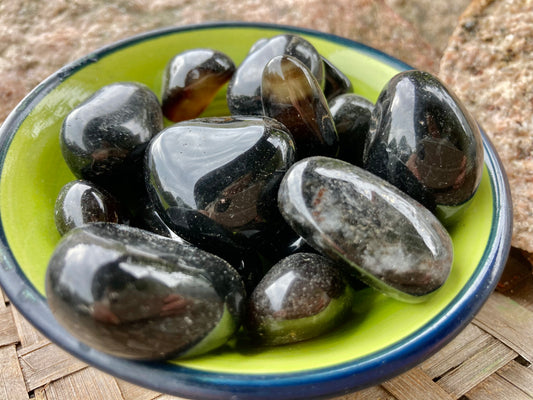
{"x":385,"y":339}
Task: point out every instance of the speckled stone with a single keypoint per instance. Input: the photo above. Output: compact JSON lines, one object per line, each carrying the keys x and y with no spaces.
{"x":395,"y":244}
{"x":302,"y":296}
{"x":137,"y":295}
{"x":80,"y":202}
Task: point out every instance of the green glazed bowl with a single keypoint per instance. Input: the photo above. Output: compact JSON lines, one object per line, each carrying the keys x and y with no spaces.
{"x":385,"y":338}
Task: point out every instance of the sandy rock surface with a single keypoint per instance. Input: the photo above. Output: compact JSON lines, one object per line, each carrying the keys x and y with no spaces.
{"x":489,"y":64}
{"x":38,"y":37}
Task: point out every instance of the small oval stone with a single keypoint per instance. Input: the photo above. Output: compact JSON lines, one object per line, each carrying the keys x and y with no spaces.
{"x":335,"y":82}
{"x":351,"y":114}
{"x":301,"y":297}
{"x":244,"y":89}
{"x":364,"y":223}
{"x":423,"y":140}
{"x":81,"y":202}
{"x":291,"y":95}
{"x":214,"y":181}
{"x":103,"y":139}
{"x":191,"y":81}
{"x":133,"y":294}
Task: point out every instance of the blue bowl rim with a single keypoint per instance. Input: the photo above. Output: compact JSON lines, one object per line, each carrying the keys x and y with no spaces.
{"x":349,"y":376}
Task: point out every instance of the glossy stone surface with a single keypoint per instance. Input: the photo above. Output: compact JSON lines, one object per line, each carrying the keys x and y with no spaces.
{"x":335,"y":82}
{"x":80,"y":202}
{"x":103,"y":139}
{"x":244,"y":89}
{"x":291,"y":95}
{"x":359,"y":220}
{"x":424,"y":141}
{"x":351,"y":114}
{"x":214,"y":181}
{"x":191,"y":81}
{"x":301,"y":297}
{"x":132,"y":294}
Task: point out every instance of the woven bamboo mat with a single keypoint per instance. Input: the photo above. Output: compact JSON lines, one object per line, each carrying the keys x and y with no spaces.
{"x":489,"y":360}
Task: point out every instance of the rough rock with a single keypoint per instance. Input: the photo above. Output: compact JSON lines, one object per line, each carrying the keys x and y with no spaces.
{"x":489,"y":64}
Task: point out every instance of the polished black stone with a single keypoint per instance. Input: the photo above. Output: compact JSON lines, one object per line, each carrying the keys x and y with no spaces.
{"x":80,"y":202}
{"x":423,"y":140}
{"x":301,"y":297}
{"x":244,"y":89}
{"x":364,"y":223}
{"x":291,"y":95}
{"x":214,"y":181}
{"x":103,"y":139}
{"x":336,"y":82}
{"x":191,"y":81}
{"x":137,"y":295}
{"x":351,"y":114}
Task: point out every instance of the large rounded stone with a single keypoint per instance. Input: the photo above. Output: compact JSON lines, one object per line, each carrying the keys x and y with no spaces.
{"x":394,"y":243}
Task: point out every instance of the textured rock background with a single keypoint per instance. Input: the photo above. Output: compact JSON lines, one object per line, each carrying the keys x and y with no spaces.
{"x":489,"y":63}
{"x":38,"y":37}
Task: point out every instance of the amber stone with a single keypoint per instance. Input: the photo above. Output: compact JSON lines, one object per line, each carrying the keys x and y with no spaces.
{"x":367,"y":225}
{"x":291,"y":95}
{"x":81,"y":202}
{"x":244,"y":89}
{"x":423,"y":140}
{"x":133,"y":294}
{"x":301,"y":297}
{"x":191,"y":81}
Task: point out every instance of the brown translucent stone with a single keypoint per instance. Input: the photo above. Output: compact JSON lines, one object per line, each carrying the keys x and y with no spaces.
{"x":293,"y":96}
{"x":191,"y":81}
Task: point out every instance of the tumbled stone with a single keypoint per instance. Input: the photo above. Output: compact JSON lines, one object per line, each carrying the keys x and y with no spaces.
{"x":351,"y":114}
{"x":191,"y":81}
{"x":214,"y":181}
{"x":291,"y":95}
{"x":424,"y":141}
{"x":244,"y":89}
{"x":361,"y":221}
{"x":103,"y":139}
{"x":301,"y":297}
{"x":81,"y":202}
{"x":335,"y":81}
{"x":133,"y":294}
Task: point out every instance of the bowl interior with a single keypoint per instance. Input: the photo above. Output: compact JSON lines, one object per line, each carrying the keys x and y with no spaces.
{"x":33,"y":172}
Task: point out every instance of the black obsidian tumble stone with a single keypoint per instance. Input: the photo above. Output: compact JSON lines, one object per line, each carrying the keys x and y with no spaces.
{"x":244,"y":89}
{"x":364,"y":223}
{"x":424,"y":141}
{"x":304,"y":295}
{"x":351,"y":114}
{"x":214,"y":181}
{"x":80,"y":202}
{"x":133,"y":294}
{"x":103,"y":139}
